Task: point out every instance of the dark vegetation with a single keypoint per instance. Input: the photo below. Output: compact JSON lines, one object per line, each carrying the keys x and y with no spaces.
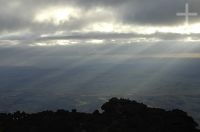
{"x":119,"y":115}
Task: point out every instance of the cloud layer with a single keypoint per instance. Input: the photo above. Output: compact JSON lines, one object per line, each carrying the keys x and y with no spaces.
{"x":27,"y":21}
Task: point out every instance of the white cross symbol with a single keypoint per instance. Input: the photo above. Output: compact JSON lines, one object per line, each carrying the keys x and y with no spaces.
{"x":187,"y":14}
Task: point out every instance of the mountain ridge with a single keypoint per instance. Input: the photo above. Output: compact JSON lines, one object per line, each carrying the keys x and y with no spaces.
{"x":118,"y":115}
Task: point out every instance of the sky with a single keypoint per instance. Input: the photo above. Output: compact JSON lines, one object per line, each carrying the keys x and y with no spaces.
{"x":64,"y":22}
{"x":50,"y":49}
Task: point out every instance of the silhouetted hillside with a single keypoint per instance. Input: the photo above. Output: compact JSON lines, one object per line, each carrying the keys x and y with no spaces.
{"x":119,"y":115}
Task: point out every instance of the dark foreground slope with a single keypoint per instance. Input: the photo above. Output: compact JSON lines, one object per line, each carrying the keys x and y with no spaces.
{"x":119,"y":115}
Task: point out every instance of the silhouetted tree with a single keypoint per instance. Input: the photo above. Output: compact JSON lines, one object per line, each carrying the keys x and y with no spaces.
{"x":119,"y":115}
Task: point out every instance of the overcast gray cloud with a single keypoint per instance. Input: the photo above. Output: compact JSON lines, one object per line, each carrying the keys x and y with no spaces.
{"x":17,"y":19}
{"x":162,"y":12}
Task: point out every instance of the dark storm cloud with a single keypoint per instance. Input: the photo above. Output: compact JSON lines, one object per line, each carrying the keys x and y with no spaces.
{"x":149,"y":12}
{"x":17,"y":16}
{"x":161,"y":12}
